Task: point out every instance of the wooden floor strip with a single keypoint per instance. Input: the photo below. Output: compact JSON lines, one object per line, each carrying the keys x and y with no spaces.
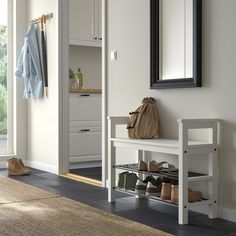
{"x":83,"y":179}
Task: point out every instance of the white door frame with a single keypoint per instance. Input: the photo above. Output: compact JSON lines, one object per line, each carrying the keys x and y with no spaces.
{"x":104,"y":92}
{"x":63,"y":162}
{"x":63,"y":55}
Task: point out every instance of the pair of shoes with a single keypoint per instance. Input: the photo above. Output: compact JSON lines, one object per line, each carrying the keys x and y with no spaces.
{"x":142,"y":166}
{"x":171,"y":192}
{"x":16,"y":167}
{"x":154,"y":166}
{"x":193,"y":196}
{"x":150,"y":186}
{"x":166,"y":191}
{"x":127,"y":180}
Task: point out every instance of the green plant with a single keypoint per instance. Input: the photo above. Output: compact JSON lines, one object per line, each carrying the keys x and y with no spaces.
{"x":3,"y":110}
{"x":3,"y":127}
{"x":3,"y":79}
{"x":3,"y":55}
{"x":71,"y":74}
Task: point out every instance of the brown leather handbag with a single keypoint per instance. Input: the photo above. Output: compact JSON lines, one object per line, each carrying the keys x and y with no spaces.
{"x":143,"y":123}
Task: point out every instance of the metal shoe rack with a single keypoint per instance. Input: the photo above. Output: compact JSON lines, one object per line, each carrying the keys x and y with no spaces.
{"x":183,"y":149}
{"x":168,"y":174}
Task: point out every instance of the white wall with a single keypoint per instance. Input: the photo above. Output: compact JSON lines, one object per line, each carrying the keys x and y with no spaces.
{"x":20,"y":105}
{"x":89,"y":59}
{"x":128,"y":80}
{"x":43,"y":115}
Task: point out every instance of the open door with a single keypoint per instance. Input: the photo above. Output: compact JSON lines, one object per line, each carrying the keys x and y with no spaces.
{"x":84,"y":92}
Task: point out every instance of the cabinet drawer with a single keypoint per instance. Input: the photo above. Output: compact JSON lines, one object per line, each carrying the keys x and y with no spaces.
{"x":85,"y":141}
{"x":84,"y":108}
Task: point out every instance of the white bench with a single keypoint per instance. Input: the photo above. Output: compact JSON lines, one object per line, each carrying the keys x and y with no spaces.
{"x":181,"y":148}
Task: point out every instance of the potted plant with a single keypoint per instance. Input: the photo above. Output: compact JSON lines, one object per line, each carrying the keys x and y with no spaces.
{"x":71,"y":77}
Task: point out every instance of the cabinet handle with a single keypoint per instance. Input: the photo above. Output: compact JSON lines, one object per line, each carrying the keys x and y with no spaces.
{"x":84,"y":95}
{"x":100,"y":38}
{"x":84,"y":130}
{"x":95,"y":38}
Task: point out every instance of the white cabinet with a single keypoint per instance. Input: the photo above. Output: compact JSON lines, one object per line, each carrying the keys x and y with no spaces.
{"x":85,"y":22}
{"x":85,"y":127}
{"x":85,"y":107}
{"x":85,"y":144}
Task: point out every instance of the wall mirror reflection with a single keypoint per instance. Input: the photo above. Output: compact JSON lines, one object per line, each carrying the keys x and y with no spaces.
{"x":175,"y":43}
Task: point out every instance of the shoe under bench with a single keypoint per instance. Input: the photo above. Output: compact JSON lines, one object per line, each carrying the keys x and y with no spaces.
{"x":183,"y":149}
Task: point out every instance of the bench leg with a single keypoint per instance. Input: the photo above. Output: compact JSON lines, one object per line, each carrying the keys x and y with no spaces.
{"x":213,"y":186}
{"x":183,"y":190}
{"x":140,"y":156}
{"x":111,"y":175}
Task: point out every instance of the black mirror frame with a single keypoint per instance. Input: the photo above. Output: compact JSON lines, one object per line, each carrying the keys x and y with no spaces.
{"x":196,"y":81}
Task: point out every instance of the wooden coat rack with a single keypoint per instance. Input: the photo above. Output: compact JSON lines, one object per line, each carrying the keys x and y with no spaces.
{"x":42,"y":19}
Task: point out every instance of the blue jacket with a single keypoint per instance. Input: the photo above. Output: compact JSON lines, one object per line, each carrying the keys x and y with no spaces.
{"x":29,"y":67}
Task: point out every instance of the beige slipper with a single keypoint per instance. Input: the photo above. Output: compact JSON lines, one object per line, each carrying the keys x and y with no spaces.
{"x":142,"y":165}
{"x":169,"y":167}
{"x":154,"y":166}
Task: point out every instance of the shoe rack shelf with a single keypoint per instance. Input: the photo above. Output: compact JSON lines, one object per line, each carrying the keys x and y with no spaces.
{"x":183,"y":149}
{"x":168,"y":174}
{"x":157,"y":198}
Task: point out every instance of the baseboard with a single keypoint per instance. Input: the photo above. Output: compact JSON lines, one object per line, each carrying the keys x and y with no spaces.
{"x":88,"y":158}
{"x":42,"y":166}
{"x":81,"y":165}
{"x":223,"y":213}
{"x":227,"y":214}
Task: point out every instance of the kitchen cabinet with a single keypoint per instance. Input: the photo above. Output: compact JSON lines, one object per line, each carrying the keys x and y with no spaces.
{"x":85,"y":22}
{"x":85,"y":136}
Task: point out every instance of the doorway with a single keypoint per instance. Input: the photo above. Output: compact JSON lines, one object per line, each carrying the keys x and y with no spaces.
{"x":84,"y":123}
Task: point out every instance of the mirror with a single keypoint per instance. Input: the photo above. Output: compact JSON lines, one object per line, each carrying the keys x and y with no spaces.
{"x":176,"y":38}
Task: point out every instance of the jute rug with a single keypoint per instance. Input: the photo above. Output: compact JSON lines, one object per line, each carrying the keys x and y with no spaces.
{"x":26,"y":210}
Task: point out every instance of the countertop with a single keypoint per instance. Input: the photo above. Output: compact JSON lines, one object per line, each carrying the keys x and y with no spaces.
{"x":85,"y":90}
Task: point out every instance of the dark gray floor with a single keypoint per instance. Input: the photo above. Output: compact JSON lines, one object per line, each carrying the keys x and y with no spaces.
{"x":93,"y":173}
{"x":152,"y":213}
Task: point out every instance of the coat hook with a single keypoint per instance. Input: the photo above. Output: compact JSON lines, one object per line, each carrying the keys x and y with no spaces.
{"x":42,"y":22}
